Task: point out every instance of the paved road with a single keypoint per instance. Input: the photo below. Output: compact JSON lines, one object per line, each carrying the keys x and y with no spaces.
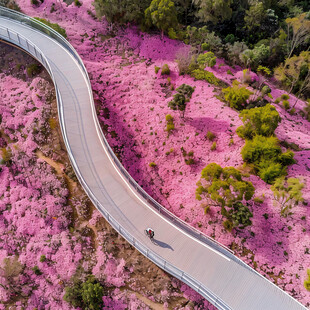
{"x":225,"y":280}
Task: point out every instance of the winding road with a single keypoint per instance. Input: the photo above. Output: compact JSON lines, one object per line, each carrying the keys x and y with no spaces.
{"x":197,"y":260}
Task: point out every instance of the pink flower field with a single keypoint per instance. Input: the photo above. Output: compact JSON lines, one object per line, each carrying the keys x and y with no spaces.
{"x":132,"y":102}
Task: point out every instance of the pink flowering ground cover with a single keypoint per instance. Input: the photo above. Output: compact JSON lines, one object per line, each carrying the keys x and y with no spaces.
{"x":132,"y":102}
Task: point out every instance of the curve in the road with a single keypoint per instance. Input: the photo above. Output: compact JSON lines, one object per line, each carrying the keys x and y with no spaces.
{"x":206,"y":266}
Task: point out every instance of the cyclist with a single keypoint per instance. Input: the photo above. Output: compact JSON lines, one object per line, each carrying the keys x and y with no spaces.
{"x":150,"y":232}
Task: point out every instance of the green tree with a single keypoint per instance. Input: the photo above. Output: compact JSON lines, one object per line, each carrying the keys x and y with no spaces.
{"x":213,"y":10}
{"x":236,"y":96}
{"x":225,"y":187}
{"x":287,"y":193}
{"x":206,"y":59}
{"x":295,"y":72}
{"x":256,"y":56}
{"x":255,"y":15}
{"x":298,"y":32}
{"x":162,"y":14}
{"x":258,"y":121}
{"x":121,"y":11}
{"x":87,"y":295}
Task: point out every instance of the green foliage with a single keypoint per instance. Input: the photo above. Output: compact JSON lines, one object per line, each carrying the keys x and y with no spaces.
{"x":307,"y":281}
{"x":226,"y":188}
{"x":87,"y":295}
{"x":210,"y":136}
{"x":36,"y":270}
{"x":152,"y":164}
{"x":229,"y":72}
{"x":6,"y":154}
{"x":287,"y":193}
{"x":236,"y":96}
{"x":42,"y":258}
{"x":213,"y":146}
{"x":207,"y":76}
{"x":204,"y":46}
{"x":266,"y":155}
{"x":56,"y":27}
{"x":165,"y":70}
{"x":183,"y":95}
{"x":256,"y":56}
{"x":207,"y":59}
{"x":156,"y":69}
{"x":258,"y":121}
{"x":286,"y":104}
{"x":122,"y":11}
{"x":295,"y":73}
{"x":213,"y":11}
{"x":307,"y":112}
{"x":186,"y":90}
{"x":285,"y":97}
{"x":77,"y":3}
{"x":161,"y":14}
{"x":170,"y":124}
{"x":33,"y":70}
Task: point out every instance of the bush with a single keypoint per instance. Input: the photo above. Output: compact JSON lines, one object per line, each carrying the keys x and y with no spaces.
{"x":170,"y":124}
{"x":205,"y":46}
{"x":186,"y":61}
{"x":33,"y":70}
{"x":56,"y":27}
{"x":258,"y":121}
{"x":207,"y":59}
{"x":259,"y":148}
{"x":236,"y":96}
{"x":207,"y":76}
{"x":266,"y":155}
{"x":186,"y":90}
{"x":229,"y":72}
{"x":307,"y":281}
{"x":210,"y":136}
{"x":156,"y":69}
{"x":213,"y":146}
{"x":285,"y":97}
{"x":165,"y":70}
{"x":36,"y":270}
{"x":286,"y":104}
{"x":87,"y":295}
{"x":42,"y":258}
{"x":77,"y":3}
{"x":152,"y":164}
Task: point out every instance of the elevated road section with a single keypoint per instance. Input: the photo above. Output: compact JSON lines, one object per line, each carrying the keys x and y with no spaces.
{"x":206,"y":266}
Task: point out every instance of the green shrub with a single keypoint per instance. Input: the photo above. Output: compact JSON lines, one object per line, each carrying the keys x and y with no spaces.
{"x":56,"y":27}
{"x":207,"y":59}
{"x":156,"y":69}
{"x":228,"y":225}
{"x":42,"y":258}
{"x":266,"y":155}
{"x":307,"y":281}
{"x":77,"y":3}
{"x":258,"y":121}
{"x":205,"y":46}
{"x":204,"y":75}
{"x":258,"y":200}
{"x":33,"y":70}
{"x":186,"y":90}
{"x":213,"y":146}
{"x":227,"y":189}
{"x":229,"y":72}
{"x":278,"y":100}
{"x":259,"y":148}
{"x":165,"y":70}
{"x":34,"y":2}
{"x":152,"y":164}
{"x":286,"y":104}
{"x":87,"y":295}
{"x":36,"y":270}
{"x":236,"y":96}
{"x":170,"y":124}
{"x":210,"y":136}
{"x":285,"y":97}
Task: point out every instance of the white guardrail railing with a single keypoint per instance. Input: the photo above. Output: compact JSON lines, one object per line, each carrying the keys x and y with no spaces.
{"x":19,"y":40}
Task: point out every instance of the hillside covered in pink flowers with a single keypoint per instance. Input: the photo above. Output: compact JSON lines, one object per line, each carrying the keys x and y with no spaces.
{"x":50,"y":231}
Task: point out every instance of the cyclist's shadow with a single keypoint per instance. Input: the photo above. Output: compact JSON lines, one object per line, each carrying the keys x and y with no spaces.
{"x":162,"y":244}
